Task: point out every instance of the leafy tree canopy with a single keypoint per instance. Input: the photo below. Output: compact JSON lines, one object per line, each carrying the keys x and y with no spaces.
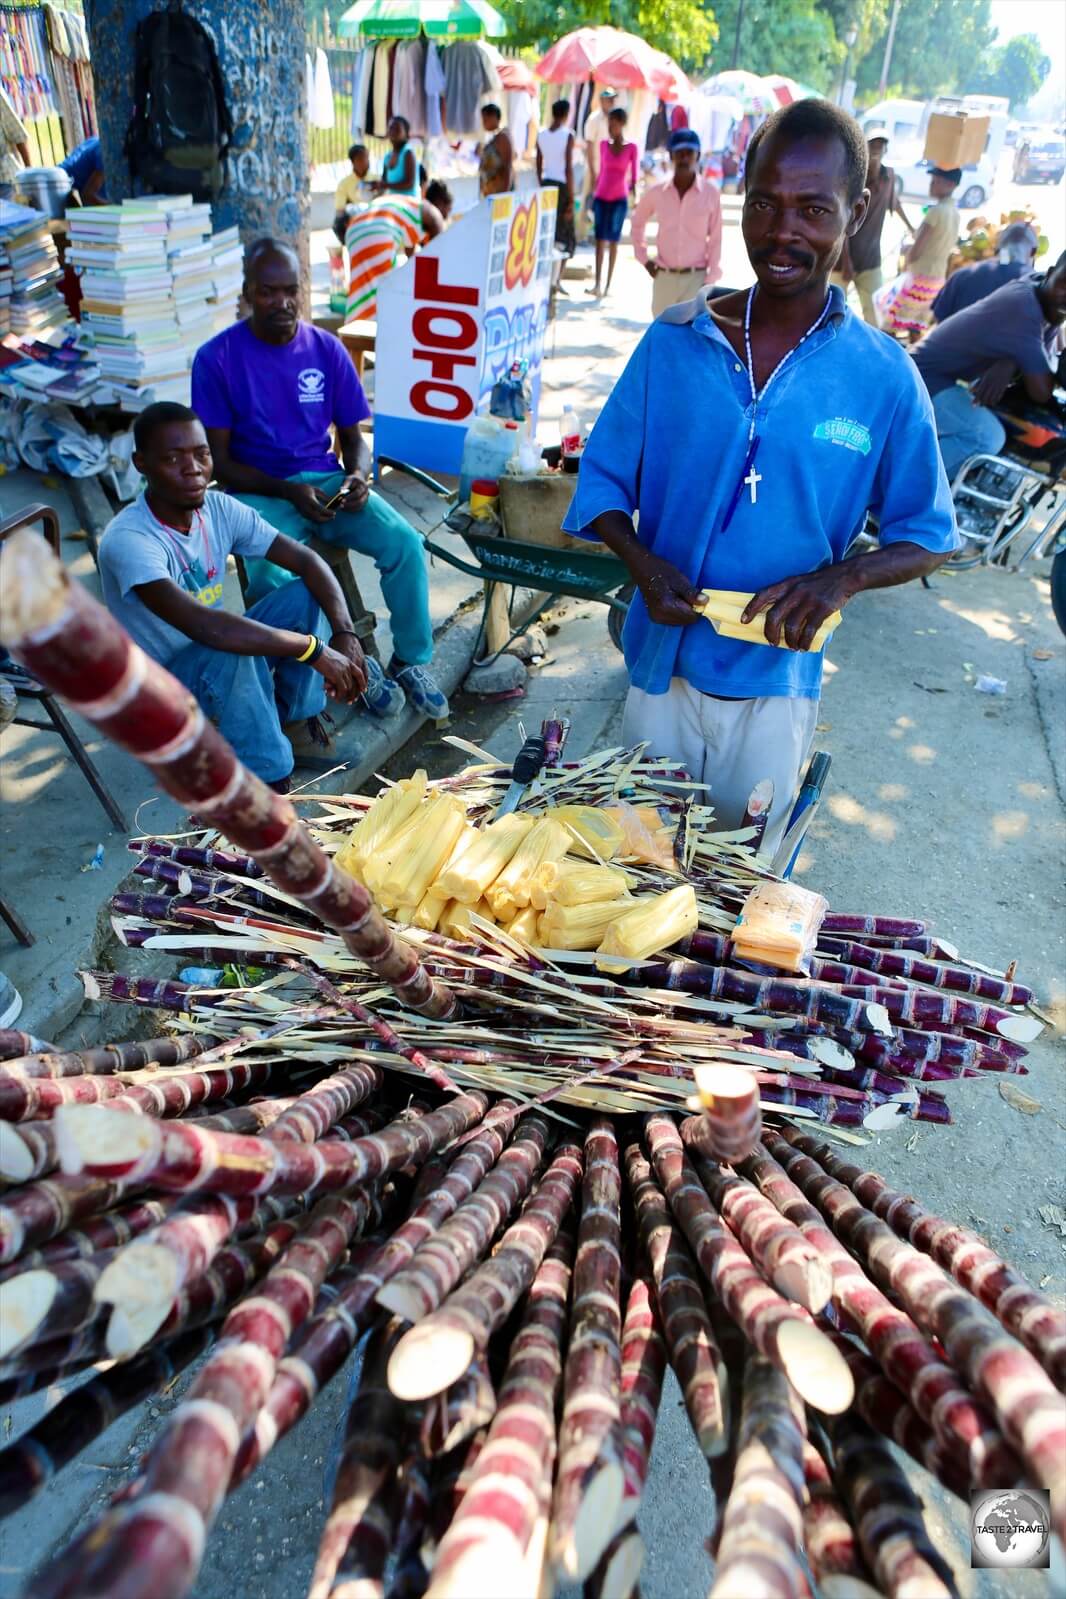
{"x":1016,"y":69}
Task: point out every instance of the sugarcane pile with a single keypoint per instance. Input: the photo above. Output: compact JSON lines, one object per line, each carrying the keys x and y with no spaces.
{"x":477,"y":1154}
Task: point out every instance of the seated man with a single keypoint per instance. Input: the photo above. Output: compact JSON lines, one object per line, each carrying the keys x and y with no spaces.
{"x":1016,"y":330}
{"x":261,"y":677}
{"x":353,"y":191}
{"x":386,"y":233}
{"x":1015,"y":258}
{"x":268,"y":390}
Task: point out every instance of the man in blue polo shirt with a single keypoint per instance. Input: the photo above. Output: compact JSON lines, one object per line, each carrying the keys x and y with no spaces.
{"x":750,"y":434}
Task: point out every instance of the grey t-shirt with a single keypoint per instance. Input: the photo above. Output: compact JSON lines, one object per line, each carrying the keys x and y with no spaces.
{"x":137,"y":548}
{"x":1008,"y":322}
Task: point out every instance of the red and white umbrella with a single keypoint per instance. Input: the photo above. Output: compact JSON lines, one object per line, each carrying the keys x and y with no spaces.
{"x":612,"y":56}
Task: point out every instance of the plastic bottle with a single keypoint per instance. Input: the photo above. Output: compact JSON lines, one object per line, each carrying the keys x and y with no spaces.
{"x":489,"y":446}
{"x":570,"y":438}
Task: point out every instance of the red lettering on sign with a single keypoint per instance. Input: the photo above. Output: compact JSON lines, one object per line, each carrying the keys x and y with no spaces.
{"x":425,"y":325}
{"x":429,"y":287}
{"x":460,"y":408}
{"x":442,"y":364}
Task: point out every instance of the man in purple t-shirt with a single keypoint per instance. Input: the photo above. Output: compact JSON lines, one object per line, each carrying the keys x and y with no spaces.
{"x":268,"y":390}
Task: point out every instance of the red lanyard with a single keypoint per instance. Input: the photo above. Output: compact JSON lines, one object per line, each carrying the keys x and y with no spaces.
{"x":210,"y":569}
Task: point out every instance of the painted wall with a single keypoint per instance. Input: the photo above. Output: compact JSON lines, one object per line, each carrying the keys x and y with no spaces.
{"x":261,"y":51}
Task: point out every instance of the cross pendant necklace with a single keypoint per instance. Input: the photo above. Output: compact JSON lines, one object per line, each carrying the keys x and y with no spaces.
{"x":760,"y":394}
{"x":752,"y":481}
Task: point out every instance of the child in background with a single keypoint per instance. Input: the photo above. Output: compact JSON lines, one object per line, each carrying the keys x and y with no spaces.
{"x":616,"y":181}
{"x":353,"y":191}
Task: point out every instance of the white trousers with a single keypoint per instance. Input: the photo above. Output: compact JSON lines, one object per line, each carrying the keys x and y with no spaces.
{"x":728,"y":745}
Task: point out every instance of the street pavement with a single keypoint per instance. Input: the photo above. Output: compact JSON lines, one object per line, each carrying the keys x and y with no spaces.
{"x":942,"y":802}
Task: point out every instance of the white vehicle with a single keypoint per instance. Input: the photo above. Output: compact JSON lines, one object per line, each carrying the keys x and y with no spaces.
{"x":899,"y":120}
{"x":912,"y":170}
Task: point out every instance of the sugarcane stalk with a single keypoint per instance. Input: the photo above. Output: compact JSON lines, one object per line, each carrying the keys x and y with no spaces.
{"x":937,"y":974}
{"x":99,"y":1234}
{"x":819,"y":1002}
{"x":443,"y":1260}
{"x":690,"y":1340}
{"x":359,"y":1529}
{"x":30,"y":1463}
{"x":782,"y":1332}
{"x":795,"y":1268}
{"x":1025,"y":1312}
{"x":72,"y":644}
{"x":887,"y":1516}
{"x":195,"y":855}
{"x":644,"y":1362}
{"x":439,"y":1348}
{"x":181,"y":1157}
{"x":889,"y":927}
{"x":908,"y":1359}
{"x":110,"y":1058}
{"x":483,"y":1552}
{"x":829,"y":1540}
{"x":48,"y":1303}
{"x":39,"y":1211}
{"x":15,"y":1043}
{"x":410,"y":1577}
{"x":156,"y":1093}
{"x":590,"y":1481}
{"x":762,"y":1526}
{"x":1026,"y":1403}
{"x":451,"y":1417}
{"x":732,"y":1120}
{"x":153,"y":1544}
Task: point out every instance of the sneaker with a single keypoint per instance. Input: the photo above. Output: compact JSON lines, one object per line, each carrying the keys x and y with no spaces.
{"x":10,"y":1001}
{"x":421,"y":691}
{"x":382,"y":695}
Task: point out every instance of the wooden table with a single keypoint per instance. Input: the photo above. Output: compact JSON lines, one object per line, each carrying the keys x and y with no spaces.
{"x":359,"y":339}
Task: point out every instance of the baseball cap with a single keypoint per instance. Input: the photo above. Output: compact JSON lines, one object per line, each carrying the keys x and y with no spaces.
{"x":608,"y":94}
{"x":684,"y":139}
{"x":875,"y":133}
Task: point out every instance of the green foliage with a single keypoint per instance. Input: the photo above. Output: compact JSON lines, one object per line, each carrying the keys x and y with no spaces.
{"x":685,"y":29}
{"x":1016,"y":69}
{"x":937,"y":44}
{"x":792,"y":37}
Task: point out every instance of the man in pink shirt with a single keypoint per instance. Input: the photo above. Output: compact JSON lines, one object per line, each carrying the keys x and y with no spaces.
{"x":689,"y":215}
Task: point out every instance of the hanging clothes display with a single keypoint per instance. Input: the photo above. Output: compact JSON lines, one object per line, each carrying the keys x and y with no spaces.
{"x":28,"y":81}
{"x":379,"y":123}
{"x":435,"y":84}
{"x":68,"y":48}
{"x":321,"y":110}
{"x":360,"y":85}
{"x":409,"y":86}
{"x":468,"y":75}
{"x":519,"y":110}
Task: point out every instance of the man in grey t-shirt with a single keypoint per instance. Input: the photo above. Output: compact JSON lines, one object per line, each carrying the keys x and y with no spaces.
{"x":262,"y":677}
{"x":1014,"y":332}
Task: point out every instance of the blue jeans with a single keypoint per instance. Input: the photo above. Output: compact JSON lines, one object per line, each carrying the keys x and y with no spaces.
{"x":378,"y":530}
{"x":249,"y":697}
{"x":964,"y":428}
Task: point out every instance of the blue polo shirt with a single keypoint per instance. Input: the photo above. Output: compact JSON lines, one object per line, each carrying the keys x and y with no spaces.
{"x":846,"y":425}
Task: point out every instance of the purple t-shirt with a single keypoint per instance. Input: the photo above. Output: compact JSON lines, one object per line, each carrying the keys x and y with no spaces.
{"x":278,"y":400}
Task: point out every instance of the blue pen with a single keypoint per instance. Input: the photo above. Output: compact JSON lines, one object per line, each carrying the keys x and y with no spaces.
{"x":745,"y":472}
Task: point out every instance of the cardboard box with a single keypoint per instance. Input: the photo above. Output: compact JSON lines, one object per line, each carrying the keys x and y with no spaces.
{"x":955,"y":141}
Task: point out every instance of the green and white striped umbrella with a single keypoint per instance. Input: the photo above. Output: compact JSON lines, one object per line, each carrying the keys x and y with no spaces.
{"x":406,"y":19}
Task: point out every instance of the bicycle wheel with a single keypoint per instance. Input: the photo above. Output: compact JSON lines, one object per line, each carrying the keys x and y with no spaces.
{"x":1058,"y":588}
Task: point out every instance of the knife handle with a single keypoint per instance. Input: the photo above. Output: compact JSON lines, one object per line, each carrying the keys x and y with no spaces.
{"x":529,"y":760}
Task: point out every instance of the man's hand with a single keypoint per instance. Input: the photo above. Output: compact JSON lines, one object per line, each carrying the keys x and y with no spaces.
{"x":309,"y":502}
{"x":668,"y":594}
{"x":652,"y":268}
{"x":992,"y":384}
{"x":796,"y":608}
{"x":356,"y":492}
{"x":348,"y":645}
{"x":342,"y":682}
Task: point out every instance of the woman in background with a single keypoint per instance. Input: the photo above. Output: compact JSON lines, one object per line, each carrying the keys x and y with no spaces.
{"x":908,"y":306}
{"x":615,"y":182}
{"x":399,"y":175}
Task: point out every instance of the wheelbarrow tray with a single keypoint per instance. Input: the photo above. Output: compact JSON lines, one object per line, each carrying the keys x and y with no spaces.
{"x":537,"y":566}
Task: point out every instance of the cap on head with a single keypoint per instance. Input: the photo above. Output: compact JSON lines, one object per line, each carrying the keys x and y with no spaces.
{"x":877,"y":136}
{"x":608,"y":94}
{"x":952,"y":175}
{"x":684,"y":139}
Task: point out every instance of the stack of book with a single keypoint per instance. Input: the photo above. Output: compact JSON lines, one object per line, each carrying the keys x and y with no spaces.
{"x":189,"y":255}
{"x":30,"y":302}
{"x":227,"y":255}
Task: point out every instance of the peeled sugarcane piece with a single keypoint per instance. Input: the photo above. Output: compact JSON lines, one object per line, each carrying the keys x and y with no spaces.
{"x":411,"y":837}
{"x":546,"y":840}
{"x":579,"y":926}
{"x":482,"y":1554}
{"x":546,"y":879}
{"x":724,"y":608}
{"x":829,"y":1540}
{"x":590,"y":1482}
{"x":1027,"y":1406}
{"x":392,"y":807}
{"x":427,"y":912}
{"x":643,"y":1370}
{"x":32,"y":1461}
{"x":732,"y":1120}
{"x":150,"y":1547}
{"x":794,"y":1267}
{"x":778,"y":925}
{"x":966,"y":1430}
{"x":462,"y":1241}
{"x":652,"y":925}
{"x":450,"y":1418}
{"x":181,"y":1157}
{"x":523,"y":926}
{"x":690,"y":1340}
{"x":414,"y":868}
{"x":594,"y":833}
{"x":881,"y":1404}
{"x":72,"y":645}
{"x":436,"y":1351}
{"x":455,"y":921}
{"x":887,"y":1514}
{"x":359,"y":1529}
{"x":762,"y":1526}
{"x":780,"y":1331}
{"x":585,"y":885}
{"x":155,"y":1093}
{"x":468,"y":875}
{"x":107,"y":1059}
{"x":1032,"y":1318}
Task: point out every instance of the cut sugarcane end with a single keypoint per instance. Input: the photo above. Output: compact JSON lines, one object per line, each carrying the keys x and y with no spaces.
{"x":815,"y":1367}
{"x":623,"y":1567}
{"x":878,"y":1018}
{"x":400,"y":1300}
{"x":882,"y":1117}
{"x":110,"y":1138}
{"x":809,"y":1285}
{"x":832,"y":1054}
{"x":35,"y":588}
{"x":1020,"y":1029}
{"x":715,"y":1084}
{"x":142,"y":1283}
{"x":575,"y":1557}
{"x":24,"y":1303}
{"x":429,"y":1359}
{"x":492,"y":1568}
{"x":16,"y":1161}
